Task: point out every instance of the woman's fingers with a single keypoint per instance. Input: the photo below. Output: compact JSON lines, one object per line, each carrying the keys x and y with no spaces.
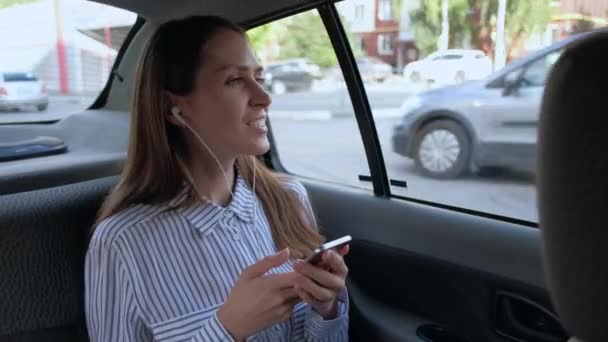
{"x":336,"y":263}
{"x":319,"y":275}
{"x":344,"y":250}
{"x":318,"y":292}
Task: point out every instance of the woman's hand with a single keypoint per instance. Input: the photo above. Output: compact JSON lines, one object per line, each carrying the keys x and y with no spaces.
{"x":319,"y":285}
{"x":257,"y":300}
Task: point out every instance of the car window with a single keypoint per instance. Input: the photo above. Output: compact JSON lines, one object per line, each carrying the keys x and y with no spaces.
{"x":65,"y":50}
{"x":453,"y":139}
{"x":312,"y":122}
{"x":537,"y":72}
{"x":18,"y":77}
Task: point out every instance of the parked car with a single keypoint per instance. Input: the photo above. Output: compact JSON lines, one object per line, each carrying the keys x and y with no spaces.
{"x":478,"y":124}
{"x":21,"y":89}
{"x":449,"y":67}
{"x":373,"y":69}
{"x":291,"y":75}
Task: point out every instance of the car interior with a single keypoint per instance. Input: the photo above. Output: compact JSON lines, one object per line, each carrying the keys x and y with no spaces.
{"x":419,"y":271}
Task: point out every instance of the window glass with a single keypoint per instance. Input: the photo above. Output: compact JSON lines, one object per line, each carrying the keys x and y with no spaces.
{"x":452,"y":57}
{"x":385,"y":10}
{"x":311,"y":117}
{"x":385,"y":46}
{"x":536,"y":74}
{"x":56,"y":56}
{"x":18,"y":77}
{"x":445,"y":126}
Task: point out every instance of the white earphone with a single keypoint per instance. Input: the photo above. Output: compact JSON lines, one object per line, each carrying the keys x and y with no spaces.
{"x":177,"y":115}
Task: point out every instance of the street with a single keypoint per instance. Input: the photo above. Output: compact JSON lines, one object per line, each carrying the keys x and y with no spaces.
{"x":317,"y":136}
{"x":59,"y":108}
{"x":333,"y":151}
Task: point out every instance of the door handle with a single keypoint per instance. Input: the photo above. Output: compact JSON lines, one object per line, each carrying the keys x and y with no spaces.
{"x":521,"y":319}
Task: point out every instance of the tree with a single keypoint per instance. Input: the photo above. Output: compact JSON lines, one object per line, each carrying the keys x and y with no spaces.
{"x":260,"y":36}
{"x":9,"y":3}
{"x":299,"y":36}
{"x":426,"y":23}
{"x":475,"y":20}
{"x":305,"y":36}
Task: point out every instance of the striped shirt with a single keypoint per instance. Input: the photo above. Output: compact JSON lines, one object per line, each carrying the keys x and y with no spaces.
{"x":154,"y":274}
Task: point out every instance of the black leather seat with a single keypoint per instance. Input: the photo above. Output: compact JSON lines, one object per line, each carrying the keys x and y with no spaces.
{"x":573,"y":187}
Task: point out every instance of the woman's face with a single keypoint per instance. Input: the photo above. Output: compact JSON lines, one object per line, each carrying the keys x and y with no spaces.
{"x":228,"y":107}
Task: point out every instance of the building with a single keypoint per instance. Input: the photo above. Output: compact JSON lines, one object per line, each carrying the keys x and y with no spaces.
{"x":574,"y":16}
{"x":381,"y":29}
{"x":58,"y":42}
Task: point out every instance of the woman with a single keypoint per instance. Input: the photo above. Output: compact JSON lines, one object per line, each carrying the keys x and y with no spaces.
{"x":185,"y":247}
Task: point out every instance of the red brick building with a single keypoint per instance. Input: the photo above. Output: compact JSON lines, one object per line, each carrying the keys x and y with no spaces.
{"x":381,"y":29}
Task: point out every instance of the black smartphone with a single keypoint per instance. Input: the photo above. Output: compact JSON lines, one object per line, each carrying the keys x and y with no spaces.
{"x":315,"y":257}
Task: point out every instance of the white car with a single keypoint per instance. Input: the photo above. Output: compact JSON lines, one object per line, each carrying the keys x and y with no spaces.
{"x":449,"y":67}
{"x":373,"y":69}
{"x":21,"y":89}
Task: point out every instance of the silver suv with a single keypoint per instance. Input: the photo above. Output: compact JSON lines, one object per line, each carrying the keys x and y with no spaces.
{"x":478,"y":124}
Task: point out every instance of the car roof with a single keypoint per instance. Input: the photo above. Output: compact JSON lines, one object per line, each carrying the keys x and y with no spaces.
{"x":542,"y":52}
{"x":457,"y":51}
{"x":159,"y":11}
{"x":463,"y":51}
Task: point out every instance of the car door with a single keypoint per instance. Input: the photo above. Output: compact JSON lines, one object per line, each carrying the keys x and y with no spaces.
{"x":428,"y":261}
{"x":431,"y":260}
{"x":510,"y":115}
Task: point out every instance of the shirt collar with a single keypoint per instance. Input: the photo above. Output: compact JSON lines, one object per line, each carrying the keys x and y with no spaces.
{"x":204,"y":216}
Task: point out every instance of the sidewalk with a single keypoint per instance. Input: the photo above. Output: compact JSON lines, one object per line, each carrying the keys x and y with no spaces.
{"x":72,"y":99}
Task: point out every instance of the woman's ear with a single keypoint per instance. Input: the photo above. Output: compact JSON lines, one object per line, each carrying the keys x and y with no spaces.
{"x":174,"y":115}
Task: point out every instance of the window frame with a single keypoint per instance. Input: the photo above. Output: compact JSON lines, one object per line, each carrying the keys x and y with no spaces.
{"x":381,"y":183}
{"x":385,"y":10}
{"x":102,"y":98}
{"x":382,"y":39}
{"x":329,"y":15}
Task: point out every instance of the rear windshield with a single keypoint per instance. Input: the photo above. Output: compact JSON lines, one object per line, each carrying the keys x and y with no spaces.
{"x":19,"y":77}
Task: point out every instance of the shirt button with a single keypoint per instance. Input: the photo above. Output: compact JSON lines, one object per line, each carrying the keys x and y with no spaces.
{"x":236,"y":236}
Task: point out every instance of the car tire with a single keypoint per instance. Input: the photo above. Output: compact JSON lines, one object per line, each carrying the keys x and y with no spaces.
{"x":279,"y":87}
{"x":442,"y":149}
{"x":42,"y":107}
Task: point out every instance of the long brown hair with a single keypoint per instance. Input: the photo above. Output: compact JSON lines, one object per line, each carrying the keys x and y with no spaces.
{"x":155,"y":169}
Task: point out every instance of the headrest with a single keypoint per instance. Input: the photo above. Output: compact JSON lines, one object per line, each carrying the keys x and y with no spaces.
{"x":573,"y":186}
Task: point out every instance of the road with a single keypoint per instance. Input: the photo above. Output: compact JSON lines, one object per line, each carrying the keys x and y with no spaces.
{"x":325,"y":96}
{"x":330,"y":148}
{"x":59,"y":108}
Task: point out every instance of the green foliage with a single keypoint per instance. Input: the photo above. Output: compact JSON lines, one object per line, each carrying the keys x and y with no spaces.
{"x":305,"y":36}
{"x":300,"y":36}
{"x":10,"y":3}
{"x":524,"y":17}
